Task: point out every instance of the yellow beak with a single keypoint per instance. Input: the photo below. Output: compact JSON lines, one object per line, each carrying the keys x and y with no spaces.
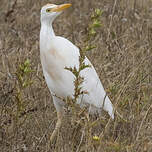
{"x":59,"y":8}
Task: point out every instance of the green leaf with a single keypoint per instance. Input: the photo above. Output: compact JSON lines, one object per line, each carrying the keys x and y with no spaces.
{"x":98,"y":12}
{"x":92,"y":32}
{"x":27,"y":62}
{"x":90,"y":47}
{"x":96,"y":24}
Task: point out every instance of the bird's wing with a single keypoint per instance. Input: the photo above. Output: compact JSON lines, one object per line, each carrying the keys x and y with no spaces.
{"x":67,"y":50}
{"x":97,"y":95}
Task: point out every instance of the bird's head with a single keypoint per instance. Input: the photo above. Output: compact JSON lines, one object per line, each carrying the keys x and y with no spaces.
{"x":50,"y":11}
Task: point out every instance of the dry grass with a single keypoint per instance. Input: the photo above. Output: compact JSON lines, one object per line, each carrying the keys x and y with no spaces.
{"x":123,"y":59}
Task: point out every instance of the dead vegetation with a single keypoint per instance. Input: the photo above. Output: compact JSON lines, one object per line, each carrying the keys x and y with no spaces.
{"x":122,"y":57}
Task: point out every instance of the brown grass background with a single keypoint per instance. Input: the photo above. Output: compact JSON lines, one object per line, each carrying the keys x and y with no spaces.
{"x":123,"y":60}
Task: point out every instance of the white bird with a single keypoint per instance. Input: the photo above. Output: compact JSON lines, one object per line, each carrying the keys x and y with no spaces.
{"x":56,"y":53}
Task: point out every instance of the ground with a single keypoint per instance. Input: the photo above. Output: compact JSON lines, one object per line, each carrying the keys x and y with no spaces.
{"x":122,"y":58}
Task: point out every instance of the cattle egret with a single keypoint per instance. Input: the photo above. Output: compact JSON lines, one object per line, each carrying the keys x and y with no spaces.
{"x":56,"y":53}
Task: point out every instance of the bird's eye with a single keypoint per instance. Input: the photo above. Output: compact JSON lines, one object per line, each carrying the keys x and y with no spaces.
{"x":48,"y":10}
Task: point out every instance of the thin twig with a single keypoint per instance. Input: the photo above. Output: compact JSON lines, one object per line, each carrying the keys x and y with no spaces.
{"x":44,"y":134}
{"x":141,"y":124}
{"x":80,"y":141}
{"x":110,"y":25}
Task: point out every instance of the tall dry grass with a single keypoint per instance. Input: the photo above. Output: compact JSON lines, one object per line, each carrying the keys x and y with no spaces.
{"x":123,"y":59}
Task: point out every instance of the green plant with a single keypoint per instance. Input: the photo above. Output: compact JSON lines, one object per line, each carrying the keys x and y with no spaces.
{"x":78,"y":81}
{"x":24,"y":81}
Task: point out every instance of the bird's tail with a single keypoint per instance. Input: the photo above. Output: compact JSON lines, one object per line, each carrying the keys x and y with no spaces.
{"x":107,"y":106}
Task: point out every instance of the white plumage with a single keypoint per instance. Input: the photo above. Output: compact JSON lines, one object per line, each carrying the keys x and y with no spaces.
{"x":57,"y":53}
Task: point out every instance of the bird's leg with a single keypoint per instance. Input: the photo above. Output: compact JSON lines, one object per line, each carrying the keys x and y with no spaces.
{"x":58,"y":125}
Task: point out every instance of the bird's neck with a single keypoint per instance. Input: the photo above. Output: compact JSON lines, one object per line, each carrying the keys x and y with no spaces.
{"x":47,"y":29}
{"x":46,"y":33}
{"x":46,"y":36}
